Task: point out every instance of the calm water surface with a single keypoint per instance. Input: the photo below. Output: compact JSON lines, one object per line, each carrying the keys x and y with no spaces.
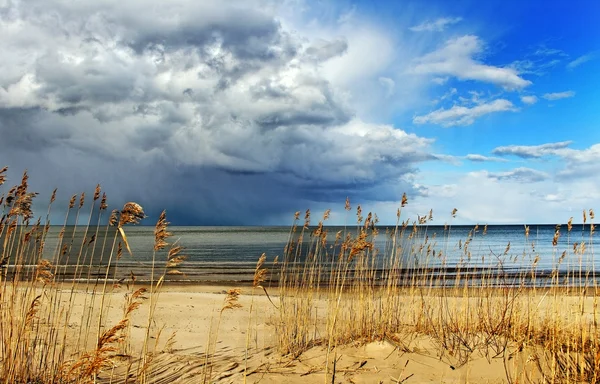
{"x":230,"y":253}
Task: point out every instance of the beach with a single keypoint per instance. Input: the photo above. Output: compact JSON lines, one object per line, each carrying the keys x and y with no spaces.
{"x":121,"y":303}
{"x":347,"y":309}
{"x":189,"y":323}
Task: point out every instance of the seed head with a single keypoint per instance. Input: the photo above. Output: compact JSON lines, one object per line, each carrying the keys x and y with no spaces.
{"x":231,"y":300}
{"x":112,"y":221}
{"x":404,"y":200}
{"x":160,"y":232}
{"x":103,"y":205}
{"x":555,"y":238}
{"x":72,"y":201}
{"x":3,"y":175}
{"x":307,"y":218}
{"x":131,"y":213}
{"x":260,"y":273}
{"x":368,"y":221}
{"x":174,"y":258}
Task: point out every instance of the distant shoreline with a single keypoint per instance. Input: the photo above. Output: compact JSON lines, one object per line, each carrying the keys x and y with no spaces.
{"x":240,"y":275}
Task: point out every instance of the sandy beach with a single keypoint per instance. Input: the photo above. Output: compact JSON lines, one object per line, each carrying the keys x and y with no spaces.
{"x":187,"y":318}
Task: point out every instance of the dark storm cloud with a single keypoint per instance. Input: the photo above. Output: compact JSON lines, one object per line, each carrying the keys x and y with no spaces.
{"x":211,"y":110}
{"x":28,"y":128}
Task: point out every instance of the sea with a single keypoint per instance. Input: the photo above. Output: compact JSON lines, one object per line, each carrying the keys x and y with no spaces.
{"x":228,"y":255}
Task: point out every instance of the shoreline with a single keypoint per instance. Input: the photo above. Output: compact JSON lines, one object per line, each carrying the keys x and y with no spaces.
{"x":221,"y":287}
{"x":424,"y":278}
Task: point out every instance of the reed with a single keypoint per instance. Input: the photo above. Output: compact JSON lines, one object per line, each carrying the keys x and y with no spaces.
{"x":339,"y":290}
{"x":45,"y":332}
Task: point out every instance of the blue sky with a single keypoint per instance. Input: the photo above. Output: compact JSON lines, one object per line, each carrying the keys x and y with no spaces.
{"x":246,"y":111}
{"x":552,"y":48}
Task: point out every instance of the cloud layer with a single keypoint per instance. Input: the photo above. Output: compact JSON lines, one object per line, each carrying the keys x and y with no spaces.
{"x":242,"y":112}
{"x":220,"y":108}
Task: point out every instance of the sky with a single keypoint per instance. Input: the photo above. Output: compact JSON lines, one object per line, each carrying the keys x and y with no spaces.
{"x":244,"y":112}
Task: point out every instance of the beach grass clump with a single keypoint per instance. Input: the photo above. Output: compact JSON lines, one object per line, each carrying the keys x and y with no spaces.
{"x":342,"y":289}
{"x":46,"y":334}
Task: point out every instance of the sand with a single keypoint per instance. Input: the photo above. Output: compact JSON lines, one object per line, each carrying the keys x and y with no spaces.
{"x":191,"y":314}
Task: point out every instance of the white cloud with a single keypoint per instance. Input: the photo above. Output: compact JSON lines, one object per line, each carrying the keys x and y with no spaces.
{"x":436,"y":25}
{"x":554,"y":197}
{"x":358,"y":80}
{"x":459,"y":115}
{"x":440,"y":80}
{"x":521,"y":195}
{"x":480,"y":158}
{"x":575,"y":163}
{"x":450,"y":159}
{"x":516,"y":196}
{"x":520,"y":175}
{"x":532,"y":151}
{"x":545,"y":51}
{"x":482,"y":198}
{"x":558,"y":95}
{"x":446,"y":96}
{"x":388,"y":84}
{"x":535,"y":65}
{"x":456,"y":58}
{"x":22,"y":94}
{"x":363,"y":41}
{"x":529,"y":99}
{"x":580,"y":60}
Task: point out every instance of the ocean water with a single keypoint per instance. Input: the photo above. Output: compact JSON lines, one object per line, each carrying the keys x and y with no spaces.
{"x":229,"y":254}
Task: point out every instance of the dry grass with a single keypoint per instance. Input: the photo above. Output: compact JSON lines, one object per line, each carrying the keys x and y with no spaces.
{"x":42,"y":338}
{"x":347,"y":292}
